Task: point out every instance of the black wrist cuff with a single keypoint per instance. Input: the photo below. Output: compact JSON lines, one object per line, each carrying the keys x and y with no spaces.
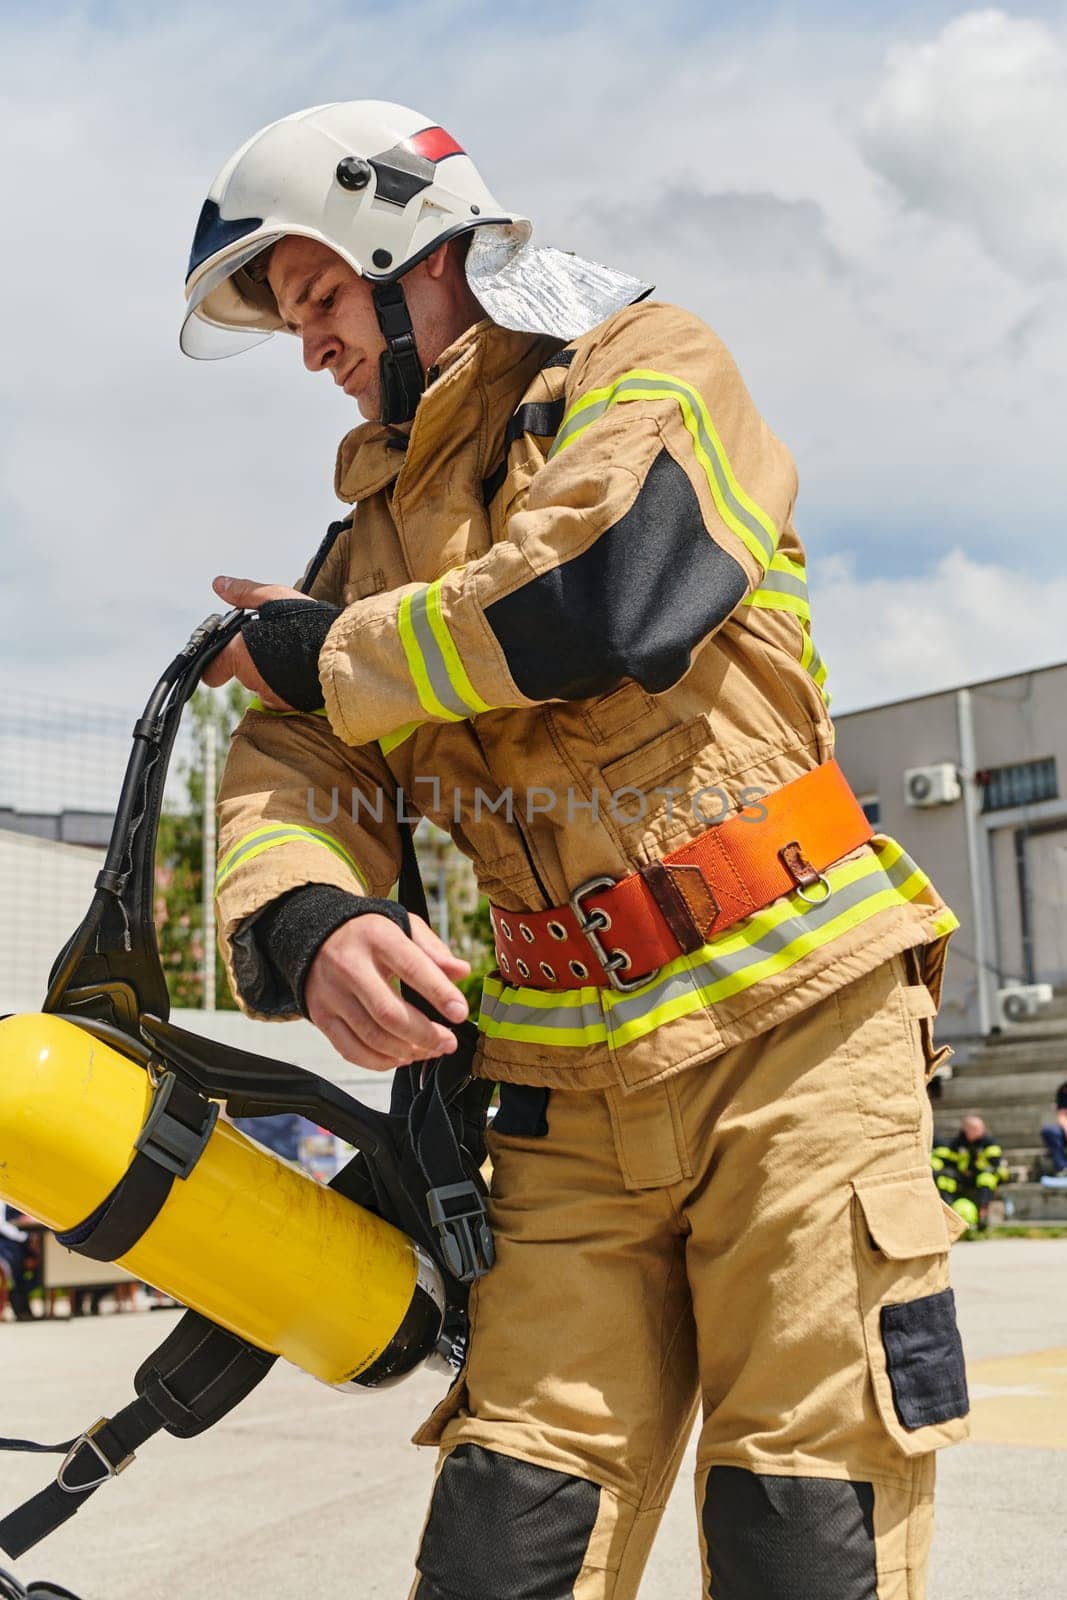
{"x":285,"y":640}
{"x":291,"y":931}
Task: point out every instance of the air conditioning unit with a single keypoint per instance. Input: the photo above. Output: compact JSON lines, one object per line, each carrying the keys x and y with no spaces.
{"x":932,"y":786}
{"x":1017,"y":1002}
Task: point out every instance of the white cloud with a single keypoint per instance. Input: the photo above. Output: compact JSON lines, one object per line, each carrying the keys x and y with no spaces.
{"x":919,"y":382}
{"x":962,"y":621}
{"x":972,"y":125}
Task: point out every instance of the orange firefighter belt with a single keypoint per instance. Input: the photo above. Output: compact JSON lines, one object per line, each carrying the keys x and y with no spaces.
{"x":632,"y":927}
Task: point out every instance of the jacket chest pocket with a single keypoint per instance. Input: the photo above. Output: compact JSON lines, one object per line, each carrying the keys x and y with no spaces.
{"x":656,"y":788}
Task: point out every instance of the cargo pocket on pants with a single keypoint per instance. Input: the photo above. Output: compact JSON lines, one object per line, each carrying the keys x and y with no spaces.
{"x":902,"y":1236}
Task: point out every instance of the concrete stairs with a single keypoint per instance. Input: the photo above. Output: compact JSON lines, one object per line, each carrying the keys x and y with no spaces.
{"x":1011,"y":1080}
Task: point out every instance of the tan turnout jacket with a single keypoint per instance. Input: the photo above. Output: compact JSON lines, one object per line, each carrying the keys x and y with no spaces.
{"x":576,"y":632}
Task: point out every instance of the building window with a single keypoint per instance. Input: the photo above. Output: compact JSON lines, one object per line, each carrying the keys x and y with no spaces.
{"x":1023,"y":784}
{"x":871,"y":807}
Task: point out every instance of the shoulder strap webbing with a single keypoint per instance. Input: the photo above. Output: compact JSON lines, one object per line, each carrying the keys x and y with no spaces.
{"x":318,"y":560}
{"x":196,"y":1376}
{"x":541,"y":418}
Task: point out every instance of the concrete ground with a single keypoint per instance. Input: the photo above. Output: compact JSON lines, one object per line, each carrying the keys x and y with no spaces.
{"x":303,"y":1492}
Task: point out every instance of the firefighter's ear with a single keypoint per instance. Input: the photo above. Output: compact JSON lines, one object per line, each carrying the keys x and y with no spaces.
{"x":436,"y":262}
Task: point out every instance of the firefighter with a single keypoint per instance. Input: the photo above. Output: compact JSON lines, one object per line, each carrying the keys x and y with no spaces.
{"x":969,"y":1169}
{"x":568,"y":620}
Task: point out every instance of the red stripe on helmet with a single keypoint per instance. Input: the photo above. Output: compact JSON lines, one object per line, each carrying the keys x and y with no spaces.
{"x":435,"y":144}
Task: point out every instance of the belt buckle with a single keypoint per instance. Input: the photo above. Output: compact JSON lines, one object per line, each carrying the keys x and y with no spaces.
{"x":612,"y":961}
{"x":109,"y":1469}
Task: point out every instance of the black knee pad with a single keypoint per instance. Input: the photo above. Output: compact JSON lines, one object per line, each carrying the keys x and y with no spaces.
{"x":777,"y":1538}
{"x":501,"y":1529}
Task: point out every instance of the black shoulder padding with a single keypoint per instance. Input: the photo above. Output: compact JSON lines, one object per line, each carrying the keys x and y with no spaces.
{"x":635,"y":604}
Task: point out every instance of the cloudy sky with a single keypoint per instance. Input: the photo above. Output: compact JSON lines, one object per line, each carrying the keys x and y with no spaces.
{"x":867,"y":203}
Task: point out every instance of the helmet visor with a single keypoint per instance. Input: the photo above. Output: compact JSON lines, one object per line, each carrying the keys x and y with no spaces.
{"x":221,"y":318}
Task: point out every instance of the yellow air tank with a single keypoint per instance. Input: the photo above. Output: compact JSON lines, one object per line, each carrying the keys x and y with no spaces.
{"x":246,"y":1240}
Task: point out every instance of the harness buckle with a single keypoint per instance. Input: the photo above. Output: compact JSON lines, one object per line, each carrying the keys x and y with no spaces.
{"x":109,"y":1468}
{"x":168,"y":1141}
{"x":457,"y":1212}
{"x":612,"y":961}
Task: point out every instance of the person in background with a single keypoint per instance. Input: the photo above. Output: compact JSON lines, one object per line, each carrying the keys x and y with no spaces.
{"x":1054,"y":1134}
{"x":281,"y":1134}
{"x":14,"y":1265}
{"x":969,"y":1169}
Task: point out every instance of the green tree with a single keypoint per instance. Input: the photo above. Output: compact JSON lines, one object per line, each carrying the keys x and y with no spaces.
{"x":180,"y":854}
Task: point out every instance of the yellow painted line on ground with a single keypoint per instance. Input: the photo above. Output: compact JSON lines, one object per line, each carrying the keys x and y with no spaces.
{"x":1020,"y":1399}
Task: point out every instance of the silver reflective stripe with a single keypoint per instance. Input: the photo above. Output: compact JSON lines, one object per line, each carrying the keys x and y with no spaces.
{"x":783,"y":583}
{"x":685,"y":396}
{"x":715,"y":976}
{"x":247,"y":846}
{"x":583,"y":1015}
{"x":433,"y":659}
{"x":267,"y":838}
{"x":764,"y":944}
{"x":581,"y":420}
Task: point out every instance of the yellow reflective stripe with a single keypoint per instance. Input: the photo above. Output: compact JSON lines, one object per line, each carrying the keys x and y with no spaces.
{"x":772,"y":600}
{"x":784,"y":588}
{"x":256,"y":704}
{"x":269,"y":837}
{"x":389,"y":741}
{"x":736,"y":508}
{"x":417,"y":665}
{"x":765,"y":944}
{"x":453,"y":665}
{"x":814,"y":665}
{"x":780,"y":562}
{"x":945,"y":924}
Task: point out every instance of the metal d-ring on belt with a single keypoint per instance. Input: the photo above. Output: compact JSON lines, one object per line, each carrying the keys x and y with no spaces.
{"x":621,"y":932}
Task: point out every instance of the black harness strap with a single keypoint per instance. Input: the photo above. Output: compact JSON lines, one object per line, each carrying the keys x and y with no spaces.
{"x":196,"y":1376}
{"x":400,"y":371}
{"x":169,"y":1145}
{"x":454,"y":1200}
{"x":541,"y":418}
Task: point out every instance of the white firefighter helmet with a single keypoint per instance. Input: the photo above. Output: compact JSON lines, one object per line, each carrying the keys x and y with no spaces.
{"x":378,"y":183}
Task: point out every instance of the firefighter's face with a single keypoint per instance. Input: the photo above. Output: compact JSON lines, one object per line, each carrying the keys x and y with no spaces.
{"x":330,"y":309}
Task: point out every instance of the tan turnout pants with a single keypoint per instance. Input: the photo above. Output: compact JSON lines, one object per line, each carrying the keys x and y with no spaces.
{"x":759,"y":1238}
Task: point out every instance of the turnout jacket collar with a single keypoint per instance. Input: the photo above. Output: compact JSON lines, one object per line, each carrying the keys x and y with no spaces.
{"x":485,"y":364}
{"x":575,"y":630}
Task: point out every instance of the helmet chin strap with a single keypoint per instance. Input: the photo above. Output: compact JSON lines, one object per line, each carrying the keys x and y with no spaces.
{"x":402,"y":377}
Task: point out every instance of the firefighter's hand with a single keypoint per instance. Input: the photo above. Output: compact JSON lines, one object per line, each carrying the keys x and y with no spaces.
{"x":234,"y":661}
{"x":349,"y":993}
